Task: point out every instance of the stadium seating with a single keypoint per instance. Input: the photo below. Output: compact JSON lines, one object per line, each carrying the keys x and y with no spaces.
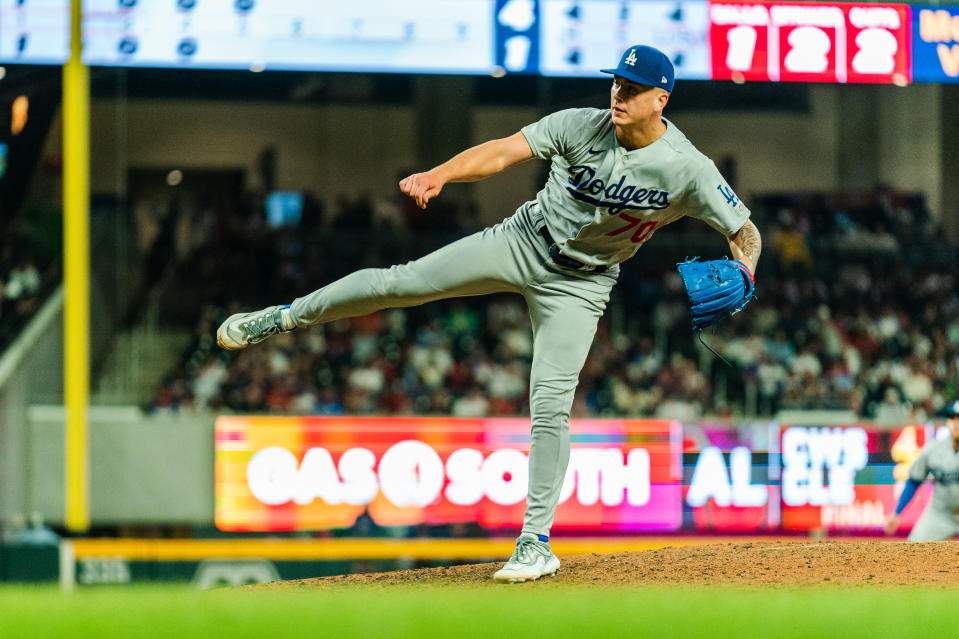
{"x":877,"y":334}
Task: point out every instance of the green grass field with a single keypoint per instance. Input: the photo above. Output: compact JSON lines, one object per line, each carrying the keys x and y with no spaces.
{"x":181,"y":613}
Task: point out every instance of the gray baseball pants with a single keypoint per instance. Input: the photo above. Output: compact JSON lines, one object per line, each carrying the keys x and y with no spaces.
{"x":935,"y":524}
{"x":564,"y":307}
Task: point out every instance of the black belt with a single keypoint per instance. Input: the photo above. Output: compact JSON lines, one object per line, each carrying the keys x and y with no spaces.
{"x":564,"y":260}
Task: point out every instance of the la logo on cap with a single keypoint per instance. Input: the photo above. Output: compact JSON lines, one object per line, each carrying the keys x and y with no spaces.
{"x":631,"y":59}
{"x":664,"y":80}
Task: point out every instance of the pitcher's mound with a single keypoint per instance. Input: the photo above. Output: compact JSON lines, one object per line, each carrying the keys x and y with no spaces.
{"x":743,"y":564}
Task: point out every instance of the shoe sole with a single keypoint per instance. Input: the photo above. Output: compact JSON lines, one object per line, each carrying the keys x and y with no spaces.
{"x":521,"y":578}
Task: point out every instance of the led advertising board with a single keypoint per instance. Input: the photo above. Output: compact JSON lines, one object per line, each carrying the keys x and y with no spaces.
{"x":848,"y":477}
{"x":810,"y":41}
{"x":298,"y":473}
{"x":323,"y":472}
{"x":935,"y":44}
{"x":731,"y":477}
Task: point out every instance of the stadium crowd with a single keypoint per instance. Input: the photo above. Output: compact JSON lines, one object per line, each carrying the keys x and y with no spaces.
{"x":20,"y":280}
{"x":856,"y":309}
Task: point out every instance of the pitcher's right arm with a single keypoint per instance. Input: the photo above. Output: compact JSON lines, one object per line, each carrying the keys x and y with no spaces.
{"x":473,"y":164}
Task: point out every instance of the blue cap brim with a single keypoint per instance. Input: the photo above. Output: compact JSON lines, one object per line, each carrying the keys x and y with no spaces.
{"x":633,"y":78}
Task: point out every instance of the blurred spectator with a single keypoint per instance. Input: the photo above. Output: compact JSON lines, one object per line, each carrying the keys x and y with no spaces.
{"x":24,"y":276}
{"x":22,"y":286}
{"x":790,"y":246}
{"x":34,"y":533}
{"x":473,"y":404}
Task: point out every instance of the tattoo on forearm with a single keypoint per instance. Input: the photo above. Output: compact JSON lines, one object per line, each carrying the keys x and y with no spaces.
{"x":749,"y":241}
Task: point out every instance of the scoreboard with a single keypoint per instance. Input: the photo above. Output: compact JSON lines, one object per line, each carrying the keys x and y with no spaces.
{"x":34,"y":31}
{"x":935,"y":51}
{"x":439,"y":36}
{"x":579,"y":38}
{"x":800,"y":41}
{"x":739,"y":40}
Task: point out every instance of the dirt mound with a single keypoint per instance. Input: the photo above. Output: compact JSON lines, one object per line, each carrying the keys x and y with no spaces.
{"x":743,"y":564}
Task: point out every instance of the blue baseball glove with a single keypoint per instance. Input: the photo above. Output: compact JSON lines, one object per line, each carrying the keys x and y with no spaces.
{"x":716,"y":288}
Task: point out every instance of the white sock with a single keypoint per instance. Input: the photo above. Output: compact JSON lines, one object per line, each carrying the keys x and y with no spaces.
{"x":286,"y":318}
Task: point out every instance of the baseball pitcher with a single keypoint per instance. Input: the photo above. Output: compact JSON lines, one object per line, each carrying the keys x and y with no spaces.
{"x":617,"y":176}
{"x":939,"y":458}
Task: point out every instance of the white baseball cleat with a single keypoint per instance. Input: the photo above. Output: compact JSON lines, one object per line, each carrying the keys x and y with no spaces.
{"x":242,"y":329}
{"x":532,"y":559}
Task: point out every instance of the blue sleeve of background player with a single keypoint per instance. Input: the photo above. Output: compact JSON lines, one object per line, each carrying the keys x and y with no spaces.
{"x":908,"y":492}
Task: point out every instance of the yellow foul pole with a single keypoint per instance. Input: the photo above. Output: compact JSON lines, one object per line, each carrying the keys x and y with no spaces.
{"x":76,"y":277}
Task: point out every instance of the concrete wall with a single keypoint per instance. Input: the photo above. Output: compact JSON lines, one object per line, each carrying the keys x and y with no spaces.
{"x":142,"y":469}
{"x":851,"y":137}
{"x":911,"y":140}
{"x":323,"y":149}
{"x":33,"y":373}
{"x":773,"y":151}
{"x":501,"y":194}
{"x":333,"y":149}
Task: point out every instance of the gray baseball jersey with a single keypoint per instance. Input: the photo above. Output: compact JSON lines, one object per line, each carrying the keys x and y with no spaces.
{"x":602,"y":202}
{"x":938,"y":459}
{"x":939,"y":521}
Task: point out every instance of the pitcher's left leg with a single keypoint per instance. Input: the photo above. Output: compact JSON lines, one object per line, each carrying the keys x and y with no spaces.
{"x":564,"y":315}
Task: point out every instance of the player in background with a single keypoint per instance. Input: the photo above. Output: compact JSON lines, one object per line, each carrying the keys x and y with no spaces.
{"x":617,"y":175}
{"x":939,"y":458}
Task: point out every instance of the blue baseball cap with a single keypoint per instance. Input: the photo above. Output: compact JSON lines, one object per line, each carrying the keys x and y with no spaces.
{"x":952,"y":410}
{"x":647,"y":66}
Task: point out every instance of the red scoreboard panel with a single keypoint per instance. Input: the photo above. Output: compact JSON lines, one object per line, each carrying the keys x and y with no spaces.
{"x":810,"y":42}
